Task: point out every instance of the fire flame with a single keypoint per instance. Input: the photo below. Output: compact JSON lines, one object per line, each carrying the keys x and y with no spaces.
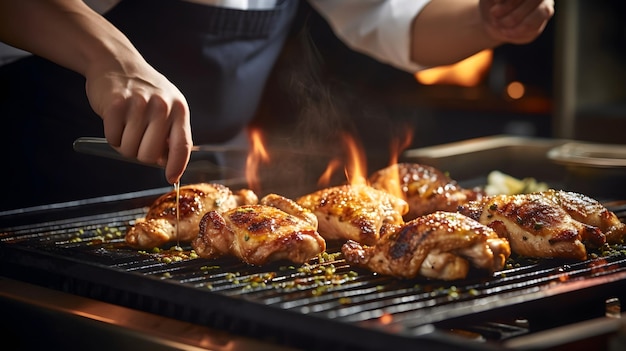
{"x":324,"y":180}
{"x":355,"y":167}
{"x":354,"y":161}
{"x":257,"y":154}
{"x":466,"y":73}
{"x":400,"y":144}
{"x":397,"y":146}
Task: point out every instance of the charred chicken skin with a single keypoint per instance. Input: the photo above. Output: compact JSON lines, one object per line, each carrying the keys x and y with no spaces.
{"x":275,"y":229}
{"x":354,"y":212}
{"x":591,"y":212}
{"x":159,"y":225}
{"x":553,"y":223}
{"x":441,"y":245}
{"x":424,"y":188}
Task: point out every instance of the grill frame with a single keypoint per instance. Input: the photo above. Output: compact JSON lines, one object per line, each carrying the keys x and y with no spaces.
{"x":43,"y":253}
{"x":484,"y":322}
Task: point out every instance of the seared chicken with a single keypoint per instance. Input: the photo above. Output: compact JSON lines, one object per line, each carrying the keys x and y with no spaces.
{"x":354,"y":212}
{"x":424,"y":188}
{"x":553,"y":223}
{"x":589,"y":211}
{"x":159,"y":225}
{"x":441,"y":245}
{"x":276,"y":229}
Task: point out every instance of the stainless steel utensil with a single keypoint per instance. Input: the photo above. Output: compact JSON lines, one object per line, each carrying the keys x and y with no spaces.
{"x":100,"y":147}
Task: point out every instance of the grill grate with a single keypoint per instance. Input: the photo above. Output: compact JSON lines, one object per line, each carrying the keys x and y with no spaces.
{"x":88,"y":257}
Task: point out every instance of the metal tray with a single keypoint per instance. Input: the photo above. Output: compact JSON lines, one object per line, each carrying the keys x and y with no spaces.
{"x":470,"y":161}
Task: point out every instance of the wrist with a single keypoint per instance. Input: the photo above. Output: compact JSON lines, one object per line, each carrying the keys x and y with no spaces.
{"x":447,"y":31}
{"x":112,"y":55}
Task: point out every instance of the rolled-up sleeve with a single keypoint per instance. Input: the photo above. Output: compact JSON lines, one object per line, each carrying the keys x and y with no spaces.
{"x":378,"y":28}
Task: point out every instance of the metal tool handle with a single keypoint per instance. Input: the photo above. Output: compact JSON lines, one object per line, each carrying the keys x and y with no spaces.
{"x":100,"y":147}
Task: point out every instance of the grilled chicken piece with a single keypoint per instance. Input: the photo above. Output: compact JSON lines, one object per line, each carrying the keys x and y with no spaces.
{"x":355,"y":212}
{"x":589,"y":211}
{"x":276,"y":229}
{"x":424,"y":188}
{"x":553,"y":223}
{"x":440,"y":245}
{"x":159,"y":225}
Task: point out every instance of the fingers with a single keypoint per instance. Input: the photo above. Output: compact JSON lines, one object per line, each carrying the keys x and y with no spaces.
{"x":153,"y":144}
{"x":180,"y":144}
{"x":516,"y":12}
{"x":153,"y":131}
{"x":520,"y":21}
{"x":125,"y":123}
{"x":137,"y":119}
{"x":113,"y":127}
{"x":511,"y":13}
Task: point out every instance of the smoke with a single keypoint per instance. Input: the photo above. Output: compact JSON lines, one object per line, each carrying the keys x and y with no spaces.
{"x":325,"y":108}
{"x":322,"y":110}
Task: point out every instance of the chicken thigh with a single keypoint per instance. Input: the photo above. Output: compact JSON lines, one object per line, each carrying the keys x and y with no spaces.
{"x":275,"y":229}
{"x":426,"y":189}
{"x":355,"y":212}
{"x":553,"y":223}
{"x":589,"y":211}
{"x":159,"y":225}
{"x":440,"y":245}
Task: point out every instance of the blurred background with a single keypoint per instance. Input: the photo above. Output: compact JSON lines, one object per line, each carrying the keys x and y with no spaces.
{"x":567,"y":84}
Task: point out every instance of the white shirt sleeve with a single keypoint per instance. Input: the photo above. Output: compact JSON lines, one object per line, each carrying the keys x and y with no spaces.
{"x":378,"y":28}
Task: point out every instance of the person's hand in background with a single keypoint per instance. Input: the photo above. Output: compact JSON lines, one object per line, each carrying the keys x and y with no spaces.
{"x":447,"y":31}
{"x":516,"y":21}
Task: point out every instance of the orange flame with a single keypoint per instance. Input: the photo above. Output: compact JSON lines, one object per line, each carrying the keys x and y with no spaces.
{"x":256,"y":154}
{"x":466,"y":73}
{"x":397,"y":146}
{"x":356,"y":168}
{"x":400,"y":144}
{"x":324,"y":180}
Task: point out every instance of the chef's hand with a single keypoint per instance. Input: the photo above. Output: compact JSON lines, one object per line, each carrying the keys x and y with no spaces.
{"x":144,"y":115}
{"x":516,"y":21}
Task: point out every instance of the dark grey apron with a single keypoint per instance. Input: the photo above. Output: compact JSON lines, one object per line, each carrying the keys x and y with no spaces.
{"x":219,"y":58}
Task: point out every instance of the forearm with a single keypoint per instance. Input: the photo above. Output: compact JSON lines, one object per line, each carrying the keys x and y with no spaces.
{"x":447,"y":31}
{"x":66,"y":32}
{"x":144,"y":115}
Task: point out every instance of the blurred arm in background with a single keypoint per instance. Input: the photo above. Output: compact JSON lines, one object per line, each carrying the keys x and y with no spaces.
{"x":415,"y":34}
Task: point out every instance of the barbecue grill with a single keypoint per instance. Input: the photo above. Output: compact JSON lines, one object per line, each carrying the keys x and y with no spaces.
{"x":77,"y":250}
